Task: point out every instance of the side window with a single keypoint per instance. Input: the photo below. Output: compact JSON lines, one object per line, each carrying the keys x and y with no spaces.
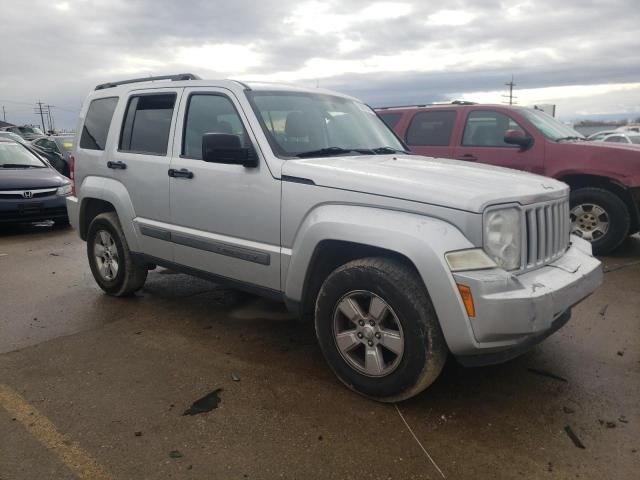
{"x":431,"y":128}
{"x":50,"y":144}
{"x":391,"y":119}
{"x":487,"y":129}
{"x":209,"y":113}
{"x":146,"y":124}
{"x":97,"y":122}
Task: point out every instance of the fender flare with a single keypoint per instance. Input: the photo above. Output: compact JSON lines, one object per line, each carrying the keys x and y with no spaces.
{"x":114,"y":192}
{"x":421,"y":239}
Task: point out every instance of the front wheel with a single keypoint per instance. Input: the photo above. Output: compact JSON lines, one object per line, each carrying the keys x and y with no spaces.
{"x":378,"y":330}
{"x":599,"y":217}
{"x":110,"y":259}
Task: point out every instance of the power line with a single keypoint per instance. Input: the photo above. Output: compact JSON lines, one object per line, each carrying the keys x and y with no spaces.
{"x":13,"y":101}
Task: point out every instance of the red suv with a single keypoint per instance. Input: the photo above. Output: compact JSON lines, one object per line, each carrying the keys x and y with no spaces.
{"x":604,"y":178}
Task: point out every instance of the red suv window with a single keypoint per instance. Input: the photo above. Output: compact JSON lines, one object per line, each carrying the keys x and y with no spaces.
{"x":487,"y":128}
{"x":431,"y":128}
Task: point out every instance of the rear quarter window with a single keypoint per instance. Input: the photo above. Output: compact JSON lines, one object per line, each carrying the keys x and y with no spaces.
{"x":431,"y":128}
{"x":391,"y":119}
{"x":97,"y":123}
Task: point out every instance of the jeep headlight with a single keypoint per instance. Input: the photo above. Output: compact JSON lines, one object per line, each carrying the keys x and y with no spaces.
{"x":64,"y":190}
{"x":503,"y":236}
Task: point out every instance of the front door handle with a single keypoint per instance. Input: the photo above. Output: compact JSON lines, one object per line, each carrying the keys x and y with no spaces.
{"x":117,"y":165}
{"x":182,"y":173}
{"x":468,"y":157}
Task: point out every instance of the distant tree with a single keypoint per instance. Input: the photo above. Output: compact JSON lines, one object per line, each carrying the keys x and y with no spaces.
{"x":599,"y":123}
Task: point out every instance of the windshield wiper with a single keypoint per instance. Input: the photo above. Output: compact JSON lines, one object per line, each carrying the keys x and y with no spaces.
{"x":328,"y":151}
{"x":17,"y":165}
{"x":569,"y":138}
{"x":388,"y":150}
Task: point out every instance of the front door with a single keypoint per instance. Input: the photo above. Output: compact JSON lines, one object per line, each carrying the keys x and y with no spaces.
{"x":482,"y":140}
{"x":225,"y":218}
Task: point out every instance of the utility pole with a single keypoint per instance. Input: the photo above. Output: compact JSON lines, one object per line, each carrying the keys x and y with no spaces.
{"x":50,"y":117}
{"x":4,"y":114}
{"x":511,"y":98}
{"x":40,"y":110}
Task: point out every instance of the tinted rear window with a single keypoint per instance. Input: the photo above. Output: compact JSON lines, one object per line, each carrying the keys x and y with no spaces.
{"x":431,"y":128}
{"x":97,"y":122}
{"x":391,"y":119}
{"x":147,"y":123}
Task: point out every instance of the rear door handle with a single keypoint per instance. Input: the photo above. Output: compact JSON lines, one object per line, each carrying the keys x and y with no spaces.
{"x":182,"y":173}
{"x":117,"y":165}
{"x":468,"y":157}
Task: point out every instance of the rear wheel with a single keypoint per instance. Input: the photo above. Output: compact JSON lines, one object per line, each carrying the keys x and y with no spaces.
{"x":378,"y":331}
{"x":110,"y":259}
{"x":599,"y":217}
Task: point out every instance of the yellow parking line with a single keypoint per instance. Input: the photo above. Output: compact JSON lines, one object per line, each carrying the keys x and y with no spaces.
{"x":74,"y":457}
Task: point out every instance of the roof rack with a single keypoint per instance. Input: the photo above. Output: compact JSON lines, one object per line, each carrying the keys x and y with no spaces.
{"x":173,"y":78}
{"x":242,"y":84}
{"x":455,"y":102}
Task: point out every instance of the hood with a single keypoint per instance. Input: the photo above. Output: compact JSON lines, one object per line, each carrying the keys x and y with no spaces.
{"x":618,"y":161}
{"x":30,"y":178}
{"x":450,"y":183}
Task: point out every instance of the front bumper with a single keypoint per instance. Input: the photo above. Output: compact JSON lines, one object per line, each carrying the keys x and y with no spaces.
{"x":73,"y":211}
{"x":514,"y":312}
{"x":33,"y":210}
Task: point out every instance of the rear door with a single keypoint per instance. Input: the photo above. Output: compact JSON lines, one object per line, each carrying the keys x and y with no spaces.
{"x":482,"y":140}
{"x":141,"y":159}
{"x":430,"y":132}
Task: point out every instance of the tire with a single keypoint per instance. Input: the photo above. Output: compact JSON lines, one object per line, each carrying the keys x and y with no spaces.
{"x":600,"y":217}
{"x":424,"y":351}
{"x":126,"y":276}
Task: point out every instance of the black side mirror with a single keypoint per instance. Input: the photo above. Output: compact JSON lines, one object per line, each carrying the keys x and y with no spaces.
{"x":227,"y":148}
{"x":519,"y":138}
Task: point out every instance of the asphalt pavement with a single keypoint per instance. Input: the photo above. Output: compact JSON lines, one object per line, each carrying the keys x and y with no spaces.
{"x":97,"y":387}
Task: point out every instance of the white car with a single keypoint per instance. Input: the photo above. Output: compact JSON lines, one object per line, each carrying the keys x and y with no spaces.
{"x":598,"y":136}
{"x":623,"y":137}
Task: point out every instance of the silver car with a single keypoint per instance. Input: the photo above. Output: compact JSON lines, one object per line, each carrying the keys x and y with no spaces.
{"x":306,"y":196}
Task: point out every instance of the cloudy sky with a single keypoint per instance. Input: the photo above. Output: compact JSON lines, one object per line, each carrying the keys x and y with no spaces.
{"x":582,"y":55}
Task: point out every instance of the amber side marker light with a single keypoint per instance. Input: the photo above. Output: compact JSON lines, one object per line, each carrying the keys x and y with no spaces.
{"x":467,"y":299}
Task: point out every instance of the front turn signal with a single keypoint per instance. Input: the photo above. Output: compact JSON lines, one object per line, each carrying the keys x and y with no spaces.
{"x":467,"y":299}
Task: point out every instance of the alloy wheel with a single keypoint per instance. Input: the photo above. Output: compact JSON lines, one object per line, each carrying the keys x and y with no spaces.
{"x":368,"y":333}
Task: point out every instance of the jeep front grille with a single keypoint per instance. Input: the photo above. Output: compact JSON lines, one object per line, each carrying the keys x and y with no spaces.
{"x":547,"y":228}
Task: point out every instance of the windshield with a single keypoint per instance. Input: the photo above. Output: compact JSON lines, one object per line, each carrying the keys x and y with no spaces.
{"x":314,"y":124}
{"x":12,"y":136}
{"x":13,"y":155}
{"x":549,"y":126}
{"x":30,"y":131}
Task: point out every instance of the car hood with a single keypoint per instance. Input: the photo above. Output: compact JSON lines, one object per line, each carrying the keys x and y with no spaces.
{"x":450,"y":183}
{"x":30,"y":178}
{"x":617,"y":161}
